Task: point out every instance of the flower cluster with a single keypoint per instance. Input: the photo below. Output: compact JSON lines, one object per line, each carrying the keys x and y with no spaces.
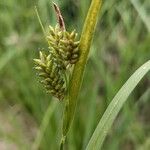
{"x":62,"y":53}
{"x":51,"y":74}
{"x":63,"y":45}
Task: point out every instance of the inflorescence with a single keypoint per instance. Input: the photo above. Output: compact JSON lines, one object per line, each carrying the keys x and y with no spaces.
{"x":62,"y":53}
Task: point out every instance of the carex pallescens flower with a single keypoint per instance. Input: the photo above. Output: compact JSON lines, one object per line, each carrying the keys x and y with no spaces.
{"x":62,"y":53}
{"x":64,"y":45}
{"x":51,"y":74}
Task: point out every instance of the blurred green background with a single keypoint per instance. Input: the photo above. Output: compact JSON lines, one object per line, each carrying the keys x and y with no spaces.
{"x":121,"y":45}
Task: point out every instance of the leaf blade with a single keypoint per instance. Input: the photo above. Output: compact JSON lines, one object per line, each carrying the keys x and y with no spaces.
{"x":114,"y":107}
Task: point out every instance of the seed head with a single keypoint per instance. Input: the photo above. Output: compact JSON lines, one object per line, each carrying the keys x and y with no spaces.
{"x":51,"y":75}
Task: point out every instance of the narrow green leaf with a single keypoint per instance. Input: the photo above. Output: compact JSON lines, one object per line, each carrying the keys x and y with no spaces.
{"x":114,"y":107}
{"x":44,"y":125}
{"x":142,"y":13}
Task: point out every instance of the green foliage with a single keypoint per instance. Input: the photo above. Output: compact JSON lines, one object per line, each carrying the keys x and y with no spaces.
{"x":114,"y":107}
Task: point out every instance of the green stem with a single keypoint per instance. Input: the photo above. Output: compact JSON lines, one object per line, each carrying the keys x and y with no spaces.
{"x":76,"y":79}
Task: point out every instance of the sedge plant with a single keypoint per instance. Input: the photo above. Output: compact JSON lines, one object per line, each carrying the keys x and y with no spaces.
{"x":61,"y":69}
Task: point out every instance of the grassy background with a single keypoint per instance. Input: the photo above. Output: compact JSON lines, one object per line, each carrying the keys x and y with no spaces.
{"x":121,"y":44}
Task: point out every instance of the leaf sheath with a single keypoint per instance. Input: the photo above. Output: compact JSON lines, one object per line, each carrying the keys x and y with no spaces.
{"x":78,"y":72}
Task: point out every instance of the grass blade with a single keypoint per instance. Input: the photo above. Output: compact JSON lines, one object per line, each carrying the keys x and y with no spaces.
{"x":44,"y":125}
{"x":114,"y":107}
{"x":142,"y":13}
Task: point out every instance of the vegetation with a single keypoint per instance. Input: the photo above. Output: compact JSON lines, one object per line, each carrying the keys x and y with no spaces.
{"x":30,"y":118}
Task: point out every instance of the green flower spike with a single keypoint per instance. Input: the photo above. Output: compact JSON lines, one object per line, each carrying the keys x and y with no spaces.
{"x":62,"y":53}
{"x":63,"y":45}
{"x":52,"y":77}
{"x":69,"y":46}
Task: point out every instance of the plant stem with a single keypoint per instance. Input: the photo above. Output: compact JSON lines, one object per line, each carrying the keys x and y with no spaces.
{"x":77,"y":76}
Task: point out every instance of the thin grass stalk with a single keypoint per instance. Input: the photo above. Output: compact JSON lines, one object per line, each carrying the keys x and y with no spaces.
{"x":44,"y":124}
